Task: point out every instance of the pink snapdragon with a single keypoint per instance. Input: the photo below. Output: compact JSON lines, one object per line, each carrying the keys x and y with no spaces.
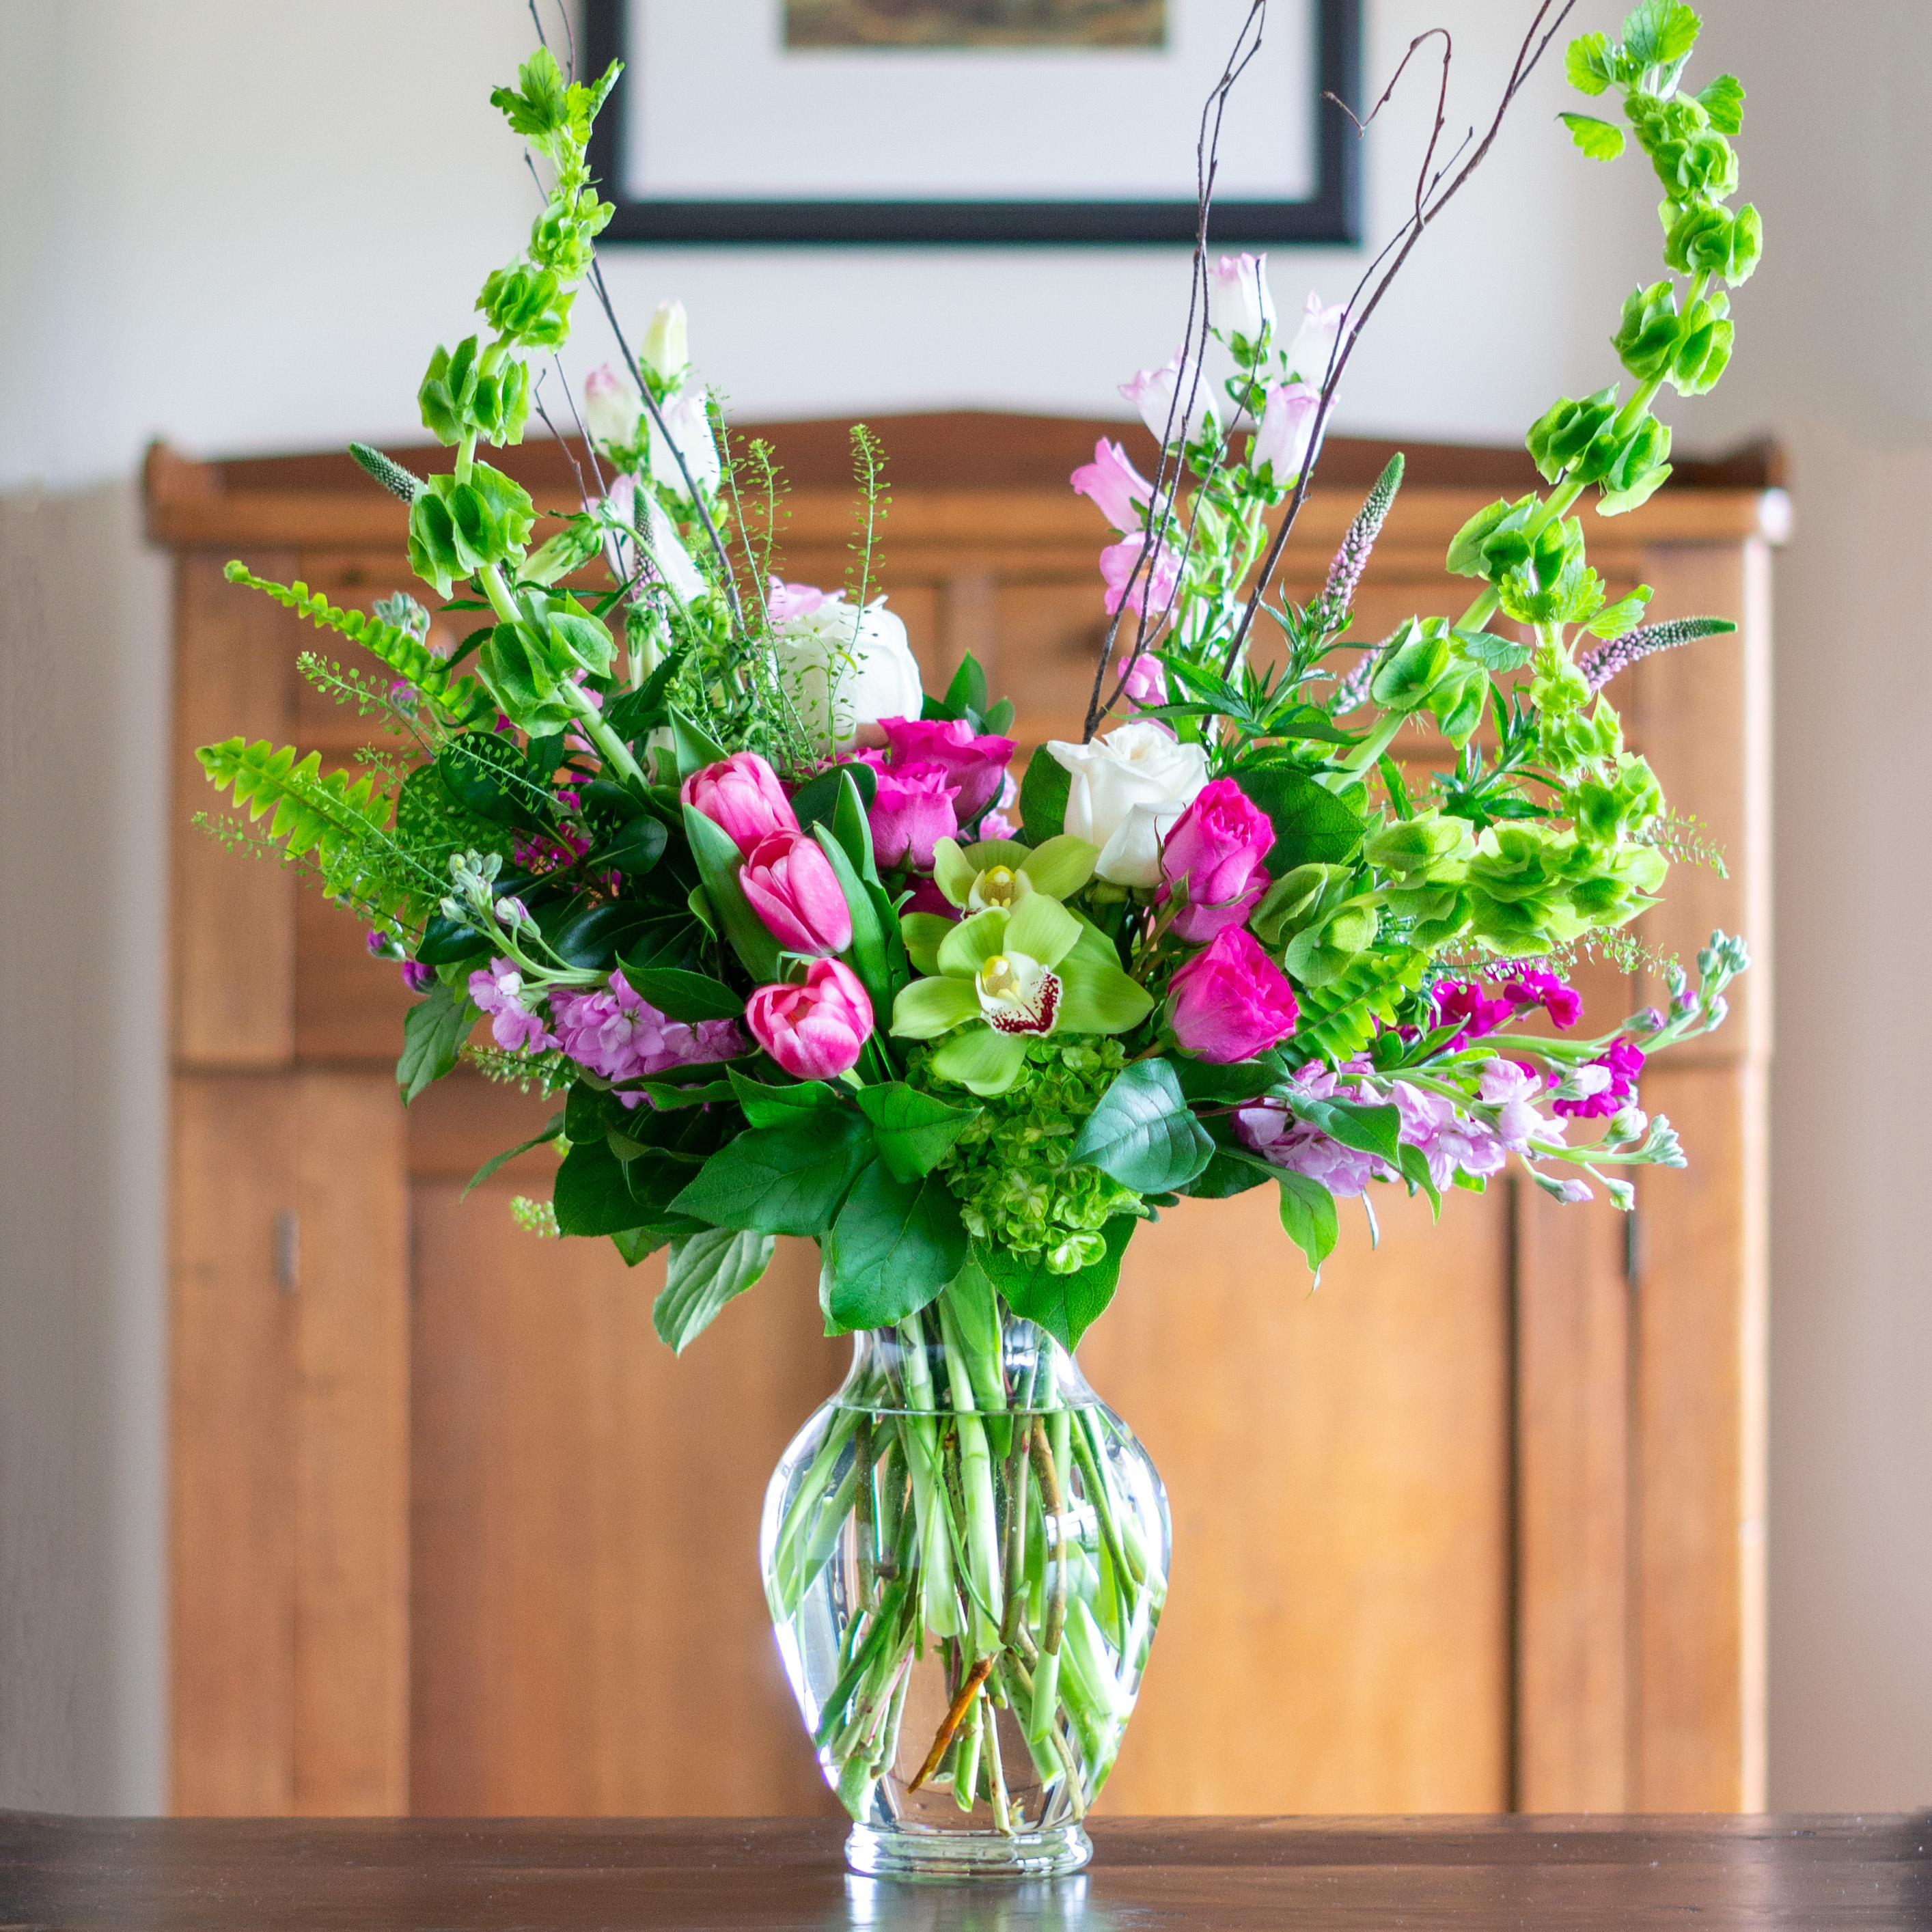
{"x":617,"y":1033}
{"x":1114,"y":484}
{"x":741,"y":793}
{"x":1216,"y":848}
{"x":1231,"y":1001}
{"x":514,"y":1026}
{"x":1606,"y":1083}
{"x":975,"y":764}
{"x":815,"y":1031}
{"x":1153,"y":580}
{"x":791,"y":886}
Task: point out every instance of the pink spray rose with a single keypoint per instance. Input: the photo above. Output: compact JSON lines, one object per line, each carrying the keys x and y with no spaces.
{"x":1153,"y":582}
{"x":743,"y":795}
{"x":815,"y":1031}
{"x":1115,"y":485}
{"x":914,"y":806}
{"x":976,"y":767}
{"x":1231,"y":1001}
{"x":792,"y":887}
{"x":1216,"y":845}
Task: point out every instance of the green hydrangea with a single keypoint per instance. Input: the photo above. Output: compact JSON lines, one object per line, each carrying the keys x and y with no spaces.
{"x":1010,"y":1170}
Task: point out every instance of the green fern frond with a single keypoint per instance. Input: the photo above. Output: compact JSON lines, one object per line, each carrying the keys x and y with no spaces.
{"x":456,"y":701}
{"x":1339,"y":1019}
{"x":342,"y":821}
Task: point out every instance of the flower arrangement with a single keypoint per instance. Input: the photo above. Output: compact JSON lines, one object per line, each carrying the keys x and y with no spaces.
{"x":803,"y":953}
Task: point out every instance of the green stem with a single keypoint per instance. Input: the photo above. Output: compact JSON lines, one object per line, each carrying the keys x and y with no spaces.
{"x":938,"y":1600}
{"x":976,"y":1482}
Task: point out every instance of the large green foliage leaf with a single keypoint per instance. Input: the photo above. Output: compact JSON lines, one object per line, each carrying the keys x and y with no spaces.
{"x":1142,"y":1133}
{"x":895,"y":1244}
{"x":690,"y":998}
{"x":1043,"y":793}
{"x":913,"y":1130}
{"x":433,"y":1031}
{"x":786,"y":1179}
{"x":705,"y":1272}
{"x":596,"y":1193}
{"x":1065,"y":1305}
{"x":1308,"y":1213}
{"x":1312,"y":825}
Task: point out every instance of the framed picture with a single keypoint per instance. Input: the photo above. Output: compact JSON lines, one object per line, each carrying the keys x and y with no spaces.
{"x":971,"y":120}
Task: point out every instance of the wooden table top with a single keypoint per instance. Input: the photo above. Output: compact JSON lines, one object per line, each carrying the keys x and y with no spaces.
{"x":787,"y":1875}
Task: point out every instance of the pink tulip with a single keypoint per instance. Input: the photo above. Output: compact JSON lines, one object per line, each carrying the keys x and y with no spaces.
{"x":816,"y":1031}
{"x":1119,"y":489}
{"x":1153,"y":584}
{"x":743,"y":795}
{"x":1231,"y":1001}
{"x":1216,"y":847}
{"x":975,"y":766}
{"x":792,"y":887}
{"x":914,"y":806}
{"x":1287,"y":427}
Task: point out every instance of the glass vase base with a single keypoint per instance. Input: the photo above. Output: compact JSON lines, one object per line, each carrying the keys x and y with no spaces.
{"x":909,"y":1852}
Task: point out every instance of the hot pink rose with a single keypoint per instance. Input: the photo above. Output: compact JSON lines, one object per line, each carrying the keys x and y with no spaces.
{"x":816,"y":1031}
{"x":792,"y":888}
{"x":1114,"y":484}
{"x":975,"y":767}
{"x":743,"y":795}
{"x":1153,"y":583}
{"x":1216,"y":846}
{"x":1231,"y":1001}
{"x":915,"y":805}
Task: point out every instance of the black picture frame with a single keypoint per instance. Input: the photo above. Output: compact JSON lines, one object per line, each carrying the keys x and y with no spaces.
{"x":1331,"y":217}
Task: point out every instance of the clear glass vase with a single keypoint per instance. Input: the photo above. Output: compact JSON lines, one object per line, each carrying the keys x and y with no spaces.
{"x":965,"y":1552}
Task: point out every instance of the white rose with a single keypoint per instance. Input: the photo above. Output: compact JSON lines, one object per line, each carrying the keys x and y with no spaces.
{"x":1127,"y":789}
{"x":843,"y":670}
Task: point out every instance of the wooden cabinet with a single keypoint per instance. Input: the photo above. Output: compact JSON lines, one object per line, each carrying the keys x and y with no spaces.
{"x":1478,"y":1526}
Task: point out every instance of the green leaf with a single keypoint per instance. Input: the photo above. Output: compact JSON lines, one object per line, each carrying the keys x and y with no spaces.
{"x":1659,"y":31}
{"x":1312,"y":825}
{"x":1599,"y":139}
{"x":1043,"y":797}
{"x":1723,"y":101}
{"x":1228,"y":1173}
{"x":634,"y":849}
{"x":719,"y":862}
{"x":852,"y":827}
{"x":1588,"y":63}
{"x":967,"y":691}
{"x":814,"y":804}
{"x":696,"y":747}
{"x":551,"y":1130}
{"x":773,"y":1106}
{"x":687,"y":997}
{"x":433,"y":1031}
{"x":704,"y":1272}
{"x":1065,"y":1305}
{"x":867,"y":952}
{"x":596,"y":1193}
{"x":1415,"y":1164}
{"x":1231,"y":1083}
{"x":1308,"y":1213}
{"x":1142,"y":1134}
{"x":1493,"y":653}
{"x":999,"y":721}
{"x":895,"y":1244}
{"x":913,"y":1130}
{"x":786,"y":1180}
{"x":639,"y":1244}
{"x":1376,"y":1130}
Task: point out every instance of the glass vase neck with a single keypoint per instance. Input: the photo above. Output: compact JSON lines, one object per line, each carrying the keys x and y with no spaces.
{"x":952,"y":1355}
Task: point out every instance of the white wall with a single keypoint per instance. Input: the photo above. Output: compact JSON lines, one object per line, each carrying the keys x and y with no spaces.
{"x":242,"y":226}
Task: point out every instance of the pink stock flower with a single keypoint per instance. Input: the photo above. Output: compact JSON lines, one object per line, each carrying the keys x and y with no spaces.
{"x":742,"y":794}
{"x":1280,"y":1139}
{"x":1231,"y":1001}
{"x":1216,"y":847}
{"x":1448,"y":1140}
{"x":1153,"y":580}
{"x":816,"y":1031}
{"x":975,"y":766}
{"x":1614,"y":1083}
{"x":1512,"y":1089}
{"x":513,"y":1026}
{"x":792,"y":887}
{"x":1287,"y":428}
{"x":786,"y":601}
{"x":1146,"y":678}
{"x":1176,"y":401}
{"x":915,"y":805}
{"x":418,"y":977}
{"x":616,"y":1033}
{"x":1114,"y":484}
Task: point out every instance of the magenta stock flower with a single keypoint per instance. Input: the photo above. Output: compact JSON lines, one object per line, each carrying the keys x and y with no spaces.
{"x":1231,"y":1001}
{"x":792,"y":887}
{"x":914,"y":806}
{"x":815,"y":1031}
{"x":742,"y":794}
{"x":418,"y":977}
{"x":1468,"y":1006}
{"x":1153,"y":580}
{"x":513,"y":1026}
{"x":1512,"y":1089}
{"x":1216,"y":848}
{"x":1607,"y":1083}
{"x":1281,"y":444}
{"x":975,"y":766}
{"x":618,"y":1034}
{"x":1114,"y":484}
{"x":1534,"y":987}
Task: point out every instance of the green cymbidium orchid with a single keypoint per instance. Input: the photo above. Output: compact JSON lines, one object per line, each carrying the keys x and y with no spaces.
{"x":1002,"y":978}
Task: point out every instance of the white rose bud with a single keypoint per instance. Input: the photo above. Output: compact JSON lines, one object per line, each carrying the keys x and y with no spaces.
{"x":1128,"y":788}
{"x":668,"y":344}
